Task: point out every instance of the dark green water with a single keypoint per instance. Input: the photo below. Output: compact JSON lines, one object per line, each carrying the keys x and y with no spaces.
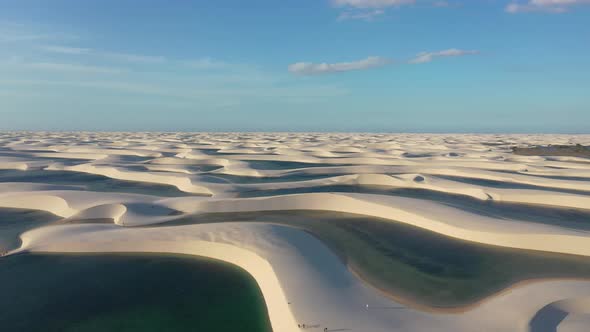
{"x":42,"y":292}
{"x":90,"y":182}
{"x":14,"y":222}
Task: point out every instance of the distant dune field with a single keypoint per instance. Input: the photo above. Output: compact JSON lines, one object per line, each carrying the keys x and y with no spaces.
{"x":348,"y":232}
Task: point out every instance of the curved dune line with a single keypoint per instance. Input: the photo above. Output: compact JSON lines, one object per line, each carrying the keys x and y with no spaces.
{"x":411,"y":303}
{"x":105,"y":211}
{"x":521,"y":196}
{"x":124,"y":152}
{"x":409,"y":181}
{"x":124,"y":209}
{"x":477,"y":170}
{"x":188,"y":159}
{"x":384,"y":160}
{"x":465,"y":172}
{"x":446,"y":185}
{"x":470,"y":227}
{"x":182,"y":183}
{"x":541,"y":198}
{"x":510,"y":178}
{"x":574,"y":306}
{"x":70,"y":155}
{"x":44,"y":202}
{"x":168,"y":168}
{"x":81,"y":239}
{"x":581,"y":172}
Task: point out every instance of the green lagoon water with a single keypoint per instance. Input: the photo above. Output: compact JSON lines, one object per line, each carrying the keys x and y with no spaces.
{"x":43,"y":292}
{"x":417,"y":264}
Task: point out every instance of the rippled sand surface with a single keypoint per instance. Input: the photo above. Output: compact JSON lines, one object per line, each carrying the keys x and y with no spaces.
{"x":149,"y":192}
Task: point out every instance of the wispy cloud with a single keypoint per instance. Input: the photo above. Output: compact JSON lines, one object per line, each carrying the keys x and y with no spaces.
{"x":133,"y":58}
{"x":546,"y":6}
{"x":309,"y":68}
{"x":207,"y":63}
{"x":190,"y":92}
{"x":115,"y":56}
{"x":73,"y":68}
{"x":56,"y":67}
{"x":362,"y":15}
{"x":425,"y":57}
{"x":372,"y":3}
{"x":15,"y":33}
{"x":7,"y":37}
{"x":65,"y":49}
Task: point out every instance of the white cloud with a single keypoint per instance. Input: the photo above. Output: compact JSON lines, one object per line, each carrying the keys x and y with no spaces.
{"x":308,"y":68}
{"x":547,"y":6}
{"x":363,"y":15}
{"x":372,"y":3}
{"x":429,"y":56}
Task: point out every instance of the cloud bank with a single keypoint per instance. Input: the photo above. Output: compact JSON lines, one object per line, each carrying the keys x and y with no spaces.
{"x":309,"y":68}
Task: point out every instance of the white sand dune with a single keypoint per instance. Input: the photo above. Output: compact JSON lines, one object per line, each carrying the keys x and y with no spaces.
{"x":182,"y":183}
{"x":137,"y":210}
{"x":301,"y":279}
{"x":13,"y":163}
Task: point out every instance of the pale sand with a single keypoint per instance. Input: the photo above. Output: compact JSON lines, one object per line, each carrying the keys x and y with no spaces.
{"x":288,"y":264}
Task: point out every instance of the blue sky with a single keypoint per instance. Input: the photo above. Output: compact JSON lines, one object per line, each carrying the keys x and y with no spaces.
{"x":296,"y":65}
